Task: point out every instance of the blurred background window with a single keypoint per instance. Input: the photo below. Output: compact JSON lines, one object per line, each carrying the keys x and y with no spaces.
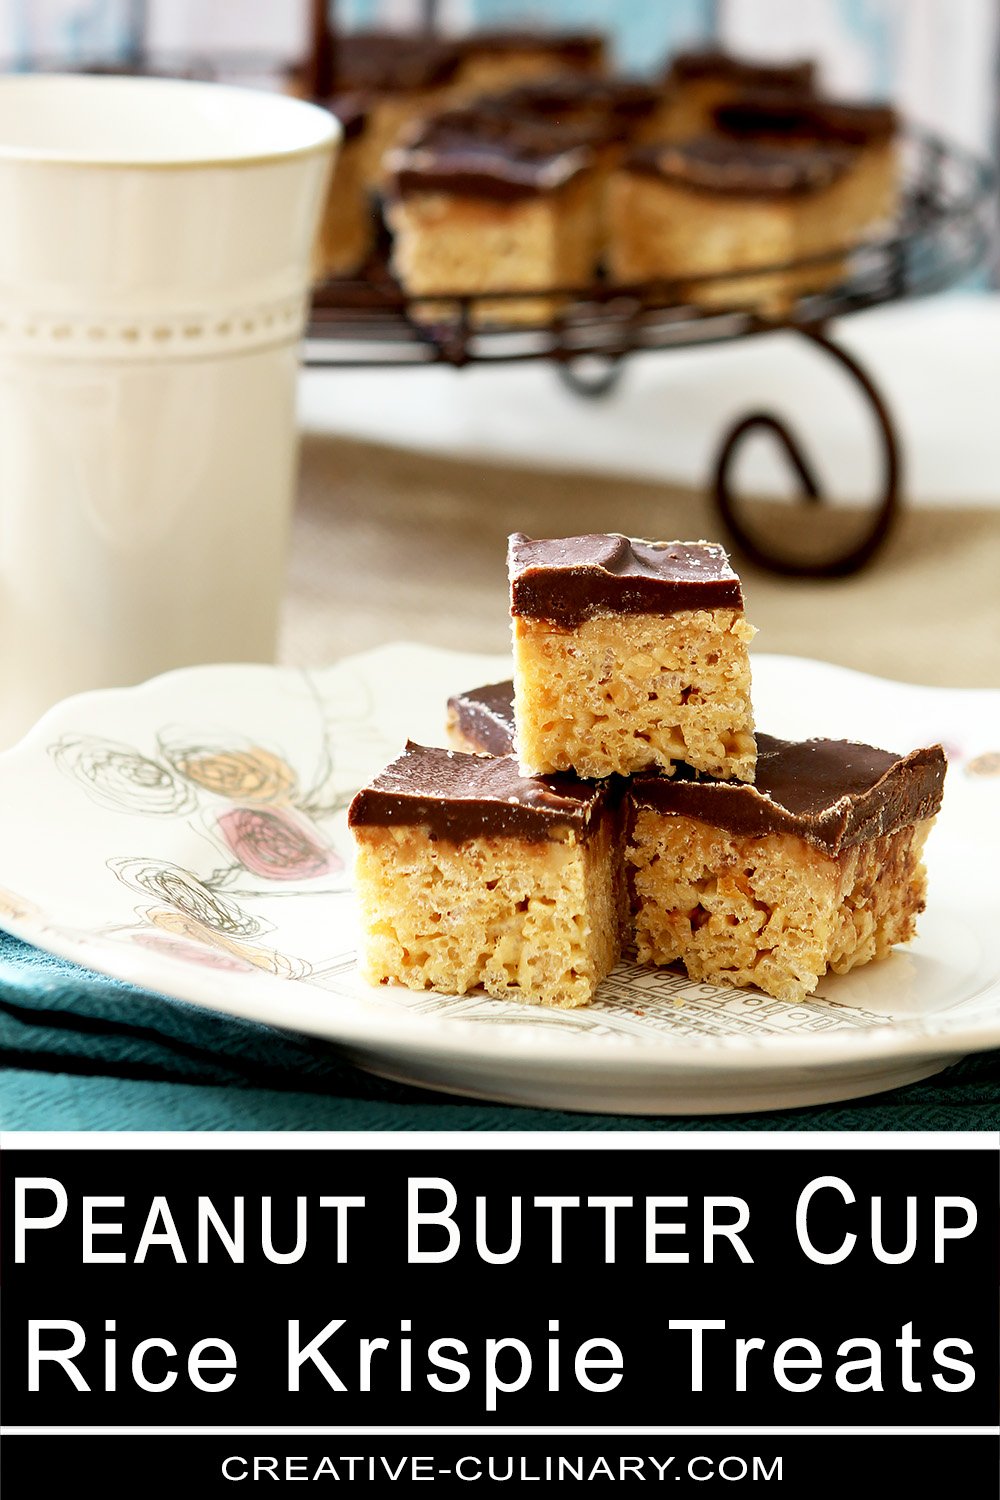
{"x":939,"y":60}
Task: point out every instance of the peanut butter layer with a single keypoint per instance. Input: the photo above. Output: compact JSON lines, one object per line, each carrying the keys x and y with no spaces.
{"x":571,"y":579}
{"x":833,"y":793}
{"x":391,"y":61}
{"x":457,"y":797}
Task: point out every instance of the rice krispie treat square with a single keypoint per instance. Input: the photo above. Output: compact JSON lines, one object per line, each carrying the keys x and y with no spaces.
{"x":481,"y":720}
{"x":470,"y":874}
{"x":698,"y":81}
{"x":503,"y":57}
{"x":626,"y":110}
{"x":347,"y":228}
{"x":629,"y":655}
{"x":867,"y":194}
{"x":704,"y":207}
{"x":401,"y":77}
{"x":482,"y":202}
{"x":817,"y":866}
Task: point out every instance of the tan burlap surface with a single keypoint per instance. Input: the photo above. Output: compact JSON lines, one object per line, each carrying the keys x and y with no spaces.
{"x":391,"y":545}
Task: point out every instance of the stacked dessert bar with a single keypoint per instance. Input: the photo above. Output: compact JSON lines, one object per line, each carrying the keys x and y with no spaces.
{"x":516,"y":163}
{"x":615,"y":794}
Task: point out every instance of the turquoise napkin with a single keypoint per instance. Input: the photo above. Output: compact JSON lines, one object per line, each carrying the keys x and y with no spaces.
{"x":79,"y":1051}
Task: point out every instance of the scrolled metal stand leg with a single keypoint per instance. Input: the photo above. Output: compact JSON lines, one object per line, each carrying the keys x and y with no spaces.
{"x":888,"y":503}
{"x":585,"y":380}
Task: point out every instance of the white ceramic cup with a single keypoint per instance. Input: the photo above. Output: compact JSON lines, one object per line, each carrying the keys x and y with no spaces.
{"x":155,"y":243}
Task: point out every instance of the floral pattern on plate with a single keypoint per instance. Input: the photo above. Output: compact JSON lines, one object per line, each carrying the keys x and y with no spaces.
{"x":190,"y":836}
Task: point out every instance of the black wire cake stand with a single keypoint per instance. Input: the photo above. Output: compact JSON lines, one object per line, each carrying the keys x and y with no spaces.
{"x":942,"y":232}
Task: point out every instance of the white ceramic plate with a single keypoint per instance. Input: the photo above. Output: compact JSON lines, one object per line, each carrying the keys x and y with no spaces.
{"x":190,"y":836}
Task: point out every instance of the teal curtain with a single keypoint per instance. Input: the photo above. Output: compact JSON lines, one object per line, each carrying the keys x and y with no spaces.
{"x":353,"y":14}
{"x":643,"y":33}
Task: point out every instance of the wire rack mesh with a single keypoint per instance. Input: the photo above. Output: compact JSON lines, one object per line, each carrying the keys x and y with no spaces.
{"x":940,"y":233}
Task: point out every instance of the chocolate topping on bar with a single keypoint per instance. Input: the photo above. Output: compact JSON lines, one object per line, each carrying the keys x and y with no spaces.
{"x":390,"y":61}
{"x":574,"y":97}
{"x":571,"y":579}
{"x":351,"y":110}
{"x":713,"y":63}
{"x":740,"y":168}
{"x":833,"y":793}
{"x":579,"y":48}
{"x":457,"y":797}
{"x":493,"y":155}
{"x":485,"y":717}
{"x":803,"y":117}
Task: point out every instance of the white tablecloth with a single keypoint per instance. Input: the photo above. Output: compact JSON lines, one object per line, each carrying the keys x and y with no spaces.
{"x":937,"y":361}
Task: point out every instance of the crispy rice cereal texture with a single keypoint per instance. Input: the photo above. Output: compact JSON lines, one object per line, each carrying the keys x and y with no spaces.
{"x":868,"y":195}
{"x":775,"y":912}
{"x":666,"y":230}
{"x":528,"y":920}
{"x":471,"y":246}
{"x":622,"y":693}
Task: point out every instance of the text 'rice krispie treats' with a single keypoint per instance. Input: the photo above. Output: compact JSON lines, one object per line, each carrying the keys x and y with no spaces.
{"x":470,"y":874}
{"x":629,"y":655}
{"x":817,"y":866}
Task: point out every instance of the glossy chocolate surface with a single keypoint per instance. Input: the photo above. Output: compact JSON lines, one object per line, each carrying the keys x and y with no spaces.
{"x":575,"y":97}
{"x":568,"y":580}
{"x":456,"y":797}
{"x":489,"y":154}
{"x":715,"y":64}
{"x":484,"y":716}
{"x":803,"y":117}
{"x":833,"y":793}
{"x":739,"y":168}
{"x":389,"y":61}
